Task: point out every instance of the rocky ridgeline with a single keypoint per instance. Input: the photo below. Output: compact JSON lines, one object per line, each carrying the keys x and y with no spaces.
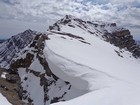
{"x":10,"y":87}
{"x":123,"y":39}
{"x":11,"y":48}
{"x":119,"y":37}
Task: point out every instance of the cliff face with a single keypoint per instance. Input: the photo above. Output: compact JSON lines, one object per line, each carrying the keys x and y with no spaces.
{"x":124,"y":40}
{"x":10,"y":87}
{"x":32,"y":54}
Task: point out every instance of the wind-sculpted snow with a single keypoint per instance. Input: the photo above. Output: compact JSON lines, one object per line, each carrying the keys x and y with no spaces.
{"x":117,"y":86}
{"x":78,"y":73}
{"x":110,"y":74}
{"x":127,"y":95}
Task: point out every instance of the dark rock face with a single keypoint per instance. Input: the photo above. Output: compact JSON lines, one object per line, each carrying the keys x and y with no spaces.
{"x":10,"y":48}
{"x":123,"y":39}
{"x":23,"y":62}
{"x":10,"y":88}
{"x":11,"y":78}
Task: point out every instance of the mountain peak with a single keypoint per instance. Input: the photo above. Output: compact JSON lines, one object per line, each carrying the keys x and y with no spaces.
{"x":73,"y":21}
{"x":28,"y":31}
{"x":74,"y":60}
{"x":69,"y":16}
{"x":110,"y":32}
{"x":11,"y":47}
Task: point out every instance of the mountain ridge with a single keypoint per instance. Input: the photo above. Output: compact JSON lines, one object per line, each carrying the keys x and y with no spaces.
{"x":120,"y":37}
{"x":75,"y":58}
{"x":10,"y":48}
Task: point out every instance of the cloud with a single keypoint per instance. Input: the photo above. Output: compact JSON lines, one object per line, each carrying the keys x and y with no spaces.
{"x":124,"y":1}
{"x":124,"y":12}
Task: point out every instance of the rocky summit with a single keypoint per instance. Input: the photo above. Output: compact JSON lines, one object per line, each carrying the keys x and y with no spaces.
{"x":75,"y":62}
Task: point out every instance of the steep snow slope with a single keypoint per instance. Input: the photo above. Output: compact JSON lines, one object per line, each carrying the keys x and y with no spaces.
{"x":111,"y":75}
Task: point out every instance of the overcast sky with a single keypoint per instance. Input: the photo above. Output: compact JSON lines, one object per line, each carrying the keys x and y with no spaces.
{"x":19,"y":15}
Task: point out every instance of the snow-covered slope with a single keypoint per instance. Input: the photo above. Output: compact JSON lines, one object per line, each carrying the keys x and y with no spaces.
{"x":111,"y":75}
{"x":3,"y":100}
{"x":80,"y":63}
{"x":109,"y":32}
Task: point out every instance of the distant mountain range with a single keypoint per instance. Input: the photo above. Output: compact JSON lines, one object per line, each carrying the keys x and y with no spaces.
{"x":2,"y":40}
{"x":75,"y":62}
{"x":138,"y":42}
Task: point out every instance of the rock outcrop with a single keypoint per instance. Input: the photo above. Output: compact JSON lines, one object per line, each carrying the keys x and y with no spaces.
{"x":10,"y":87}
{"x":124,"y":40}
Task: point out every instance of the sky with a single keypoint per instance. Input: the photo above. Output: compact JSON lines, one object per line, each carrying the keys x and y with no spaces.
{"x":19,"y":15}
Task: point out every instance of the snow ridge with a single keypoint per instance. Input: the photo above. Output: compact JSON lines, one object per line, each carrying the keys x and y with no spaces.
{"x":119,"y":68}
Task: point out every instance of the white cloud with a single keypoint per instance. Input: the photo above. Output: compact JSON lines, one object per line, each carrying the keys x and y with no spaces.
{"x":124,"y":1}
{"x":46,"y":12}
